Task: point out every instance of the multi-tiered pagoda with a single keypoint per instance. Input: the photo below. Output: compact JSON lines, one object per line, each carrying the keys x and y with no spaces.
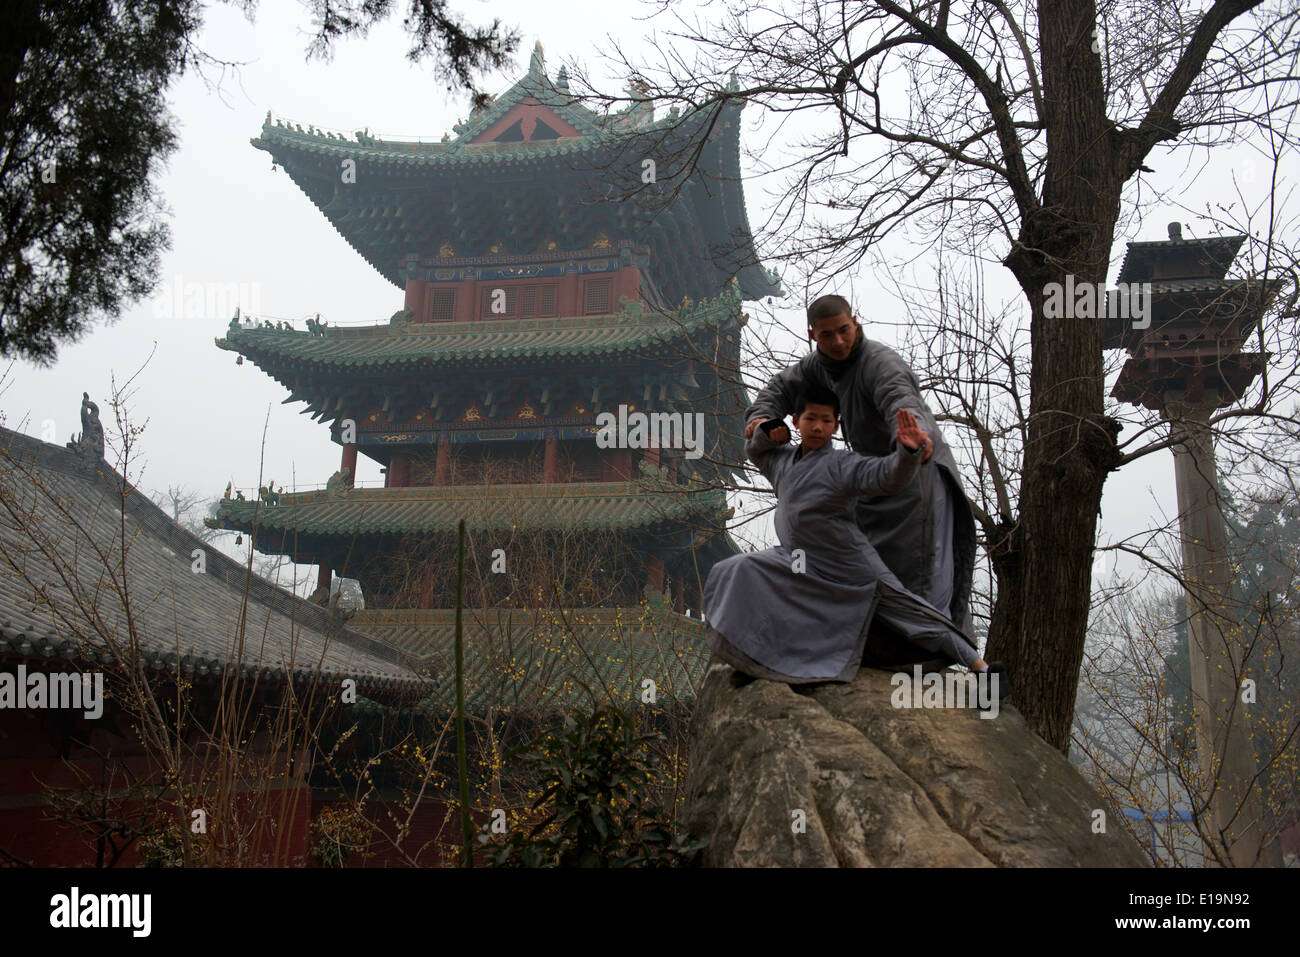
{"x":558,"y":264}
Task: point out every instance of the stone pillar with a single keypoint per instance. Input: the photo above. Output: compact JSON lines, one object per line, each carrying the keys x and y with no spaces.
{"x":1216,"y":651}
{"x":551,"y":462}
{"x":350,"y":461}
{"x":442,"y":466}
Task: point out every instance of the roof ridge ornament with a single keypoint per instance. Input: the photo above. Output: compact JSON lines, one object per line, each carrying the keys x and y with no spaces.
{"x":537,"y":65}
{"x":89,"y":443}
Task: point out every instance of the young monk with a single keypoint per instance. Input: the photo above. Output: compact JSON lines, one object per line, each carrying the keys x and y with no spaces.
{"x":799,"y":612}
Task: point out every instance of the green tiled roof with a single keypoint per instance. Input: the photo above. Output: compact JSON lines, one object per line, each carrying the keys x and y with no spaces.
{"x":589,"y":506}
{"x":456,"y":153}
{"x":413,"y":196}
{"x":538,"y":659}
{"x":597,"y":131}
{"x":633,"y":331}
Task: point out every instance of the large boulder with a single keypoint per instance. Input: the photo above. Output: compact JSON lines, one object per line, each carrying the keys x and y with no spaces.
{"x":834,"y":775}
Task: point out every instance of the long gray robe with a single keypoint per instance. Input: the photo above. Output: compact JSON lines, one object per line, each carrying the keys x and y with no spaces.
{"x":799,"y":612}
{"x":874,"y":384}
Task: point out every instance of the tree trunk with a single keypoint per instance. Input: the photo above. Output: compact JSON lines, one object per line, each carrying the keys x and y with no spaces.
{"x":1040,"y":631}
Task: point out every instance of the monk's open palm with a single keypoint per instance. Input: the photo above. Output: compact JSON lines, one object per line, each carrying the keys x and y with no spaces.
{"x":910,"y":434}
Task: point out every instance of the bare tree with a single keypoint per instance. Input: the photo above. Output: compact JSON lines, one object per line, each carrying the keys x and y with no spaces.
{"x":182,"y":504}
{"x":1008,"y":132}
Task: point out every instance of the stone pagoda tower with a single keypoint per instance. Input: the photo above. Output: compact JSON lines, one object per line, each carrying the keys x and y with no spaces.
{"x":1188,"y":362}
{"x":556,"y":279}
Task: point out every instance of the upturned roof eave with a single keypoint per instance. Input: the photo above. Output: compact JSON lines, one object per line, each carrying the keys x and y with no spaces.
{"x":296,"y":152}
{"x":275,"y":348}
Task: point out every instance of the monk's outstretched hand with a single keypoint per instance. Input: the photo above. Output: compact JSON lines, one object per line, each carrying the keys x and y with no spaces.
{"x":911,"y":435}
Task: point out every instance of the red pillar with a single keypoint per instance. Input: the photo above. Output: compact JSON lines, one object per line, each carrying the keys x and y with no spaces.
{"x":568,"y":304}
{"x":626,"y":283}
{"x":467,"y":301}
{"x":656,"y":573}
{"x":350,"y":461}
{"x":551,"y":463}
{"x":399,"y":471}
{"x":442,"y":468}
{"x":323,"y":578}
{"x":415,"y":298}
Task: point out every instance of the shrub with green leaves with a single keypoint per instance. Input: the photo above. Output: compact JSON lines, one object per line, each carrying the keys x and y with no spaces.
{"x":597,"y":776}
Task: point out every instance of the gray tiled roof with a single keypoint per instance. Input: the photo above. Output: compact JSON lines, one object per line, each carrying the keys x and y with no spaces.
{"x":45,"y":495}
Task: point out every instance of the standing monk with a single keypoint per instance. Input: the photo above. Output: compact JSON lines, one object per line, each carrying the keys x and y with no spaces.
{"x":926,"y":533}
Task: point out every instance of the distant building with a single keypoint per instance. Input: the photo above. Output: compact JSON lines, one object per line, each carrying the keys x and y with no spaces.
{"x":96,"y":580}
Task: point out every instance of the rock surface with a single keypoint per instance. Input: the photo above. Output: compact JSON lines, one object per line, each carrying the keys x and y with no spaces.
{"x":880,"y":786}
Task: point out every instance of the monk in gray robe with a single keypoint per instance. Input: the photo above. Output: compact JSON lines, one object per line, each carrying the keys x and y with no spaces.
{"x":800,"y":612}
{"x":926,"y":533}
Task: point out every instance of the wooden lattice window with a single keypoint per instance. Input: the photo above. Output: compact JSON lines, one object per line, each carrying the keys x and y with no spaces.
{"x":596,"y":297}
{"x":444,"y":305}
{"x":545,"y":305}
